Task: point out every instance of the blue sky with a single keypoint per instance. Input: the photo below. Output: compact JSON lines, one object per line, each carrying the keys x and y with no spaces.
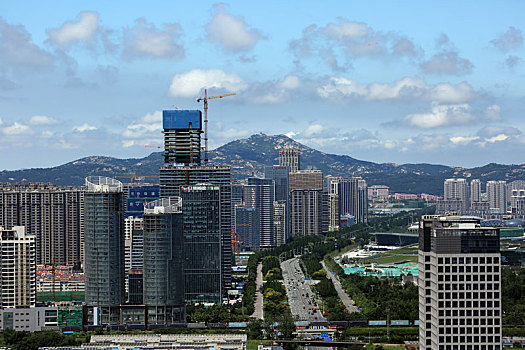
{"x":404,"y":81}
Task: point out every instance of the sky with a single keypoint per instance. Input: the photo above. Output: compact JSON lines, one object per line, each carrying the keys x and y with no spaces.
{"x":383,"y":81}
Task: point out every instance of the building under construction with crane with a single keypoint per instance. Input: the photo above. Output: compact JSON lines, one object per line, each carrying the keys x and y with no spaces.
{"x":184,"y":167}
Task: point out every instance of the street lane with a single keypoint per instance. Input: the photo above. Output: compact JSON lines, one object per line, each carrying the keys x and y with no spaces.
{"x":347,"y":301}
{"x":300,"y":296}
{"x":258,"y":310}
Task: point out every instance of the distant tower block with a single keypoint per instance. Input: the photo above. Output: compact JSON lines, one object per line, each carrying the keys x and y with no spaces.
{"x":182,"y":136}
{"x":290,"y":157}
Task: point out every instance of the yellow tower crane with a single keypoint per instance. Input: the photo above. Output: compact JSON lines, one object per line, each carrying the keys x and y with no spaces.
{"x":205,"y":100}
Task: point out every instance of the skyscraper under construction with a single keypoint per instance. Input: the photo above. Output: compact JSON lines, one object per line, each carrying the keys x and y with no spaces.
{"x":182,"y":167}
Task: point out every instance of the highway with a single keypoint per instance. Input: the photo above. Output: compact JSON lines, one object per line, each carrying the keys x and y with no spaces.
{"x":300,"y":296}
{"x":258,"y":310}
{"x":348,"y":303}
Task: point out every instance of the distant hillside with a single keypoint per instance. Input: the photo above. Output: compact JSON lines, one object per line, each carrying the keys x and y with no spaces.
{"x":257,"y":151}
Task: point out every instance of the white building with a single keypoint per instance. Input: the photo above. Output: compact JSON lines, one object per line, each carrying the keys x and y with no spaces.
{"x":17,"y":268}
{"x":497,"y":196}
{"x":475,"y":191}
{"x":459,"y":284}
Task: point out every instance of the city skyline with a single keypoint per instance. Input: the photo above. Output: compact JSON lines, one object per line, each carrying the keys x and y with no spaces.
{"x":383,"y":82}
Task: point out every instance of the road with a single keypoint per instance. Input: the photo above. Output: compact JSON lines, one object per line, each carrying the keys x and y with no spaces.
{"x":300,"y":296}
{"x":258,"y":310}
{"x":348,"y":303}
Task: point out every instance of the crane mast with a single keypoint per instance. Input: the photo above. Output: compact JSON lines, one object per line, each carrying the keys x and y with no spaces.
{"x":205,"y":101}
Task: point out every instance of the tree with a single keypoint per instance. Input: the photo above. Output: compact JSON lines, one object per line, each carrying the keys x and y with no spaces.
{"x":255,"y":329}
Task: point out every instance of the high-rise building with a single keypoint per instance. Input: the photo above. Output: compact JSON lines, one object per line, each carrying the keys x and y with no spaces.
{"x":51,"y":213}
{"x":459,"y":284}
{"x":133,"y":234}
{"x":203,"y":268}
{"x":247,"y":227}
{"x":104,"y":241}
{"x":456,"y":197}
{"x":306,"y":180}
{"x":306,"y":212}
{"x":280,"y":176}
{"x":334,"y":213}
{"x":497,"y":196}
{"x":163,"y":259}
{"x":280,"y":215}
{"x":516,"y":192}
{"x":172,"y":177}
{"x":475,"y":191}
{"x":136,"y":287}
{"x":182,"y":136}
{"x":290,"y":158}
{"x":353,"y":197}
{"x":17,"y":268}
{"x":259,"y":194}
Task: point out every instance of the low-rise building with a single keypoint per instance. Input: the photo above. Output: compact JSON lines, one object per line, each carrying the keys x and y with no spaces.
{"x":29,"y":319}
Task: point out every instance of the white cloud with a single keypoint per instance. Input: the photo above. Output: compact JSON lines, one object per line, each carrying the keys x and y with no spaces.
{"x":145,"y":40}
{"x":42,"y":120}
{"x":441,"y":115}
{"x":463,"y":140}
{"x":191,"y":83}
{"x":84,"y":127}
{"x":17,"y":48}
{"x":290,"y":82}
{"x":272,"y":92}
{"x":446,"y":60}
{"x":510,"y":40}
{"x":313,"y":129}
{"x":338,"y":88}
{"x":84,"y":28}
{"x":231,"y":32}
{"x":497,"y":138}
{"x":493,"y":112}
{"x":144,"y":131}
{"x":16,"y":129}
{"x":338,"y":44}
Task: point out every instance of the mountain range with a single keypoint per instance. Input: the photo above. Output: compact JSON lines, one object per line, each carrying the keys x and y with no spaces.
{"x":249,"y":156}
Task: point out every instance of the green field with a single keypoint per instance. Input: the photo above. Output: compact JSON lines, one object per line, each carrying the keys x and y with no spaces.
{"x":396,"y":255}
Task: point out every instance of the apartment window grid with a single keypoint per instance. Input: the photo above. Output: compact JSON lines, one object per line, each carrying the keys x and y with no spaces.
{"x":460,"y":301}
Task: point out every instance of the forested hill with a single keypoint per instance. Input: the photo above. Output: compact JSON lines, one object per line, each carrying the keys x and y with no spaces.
{"x":257,"y":151}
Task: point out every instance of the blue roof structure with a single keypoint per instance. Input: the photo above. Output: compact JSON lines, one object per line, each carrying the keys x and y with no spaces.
{"x":181,"y":119}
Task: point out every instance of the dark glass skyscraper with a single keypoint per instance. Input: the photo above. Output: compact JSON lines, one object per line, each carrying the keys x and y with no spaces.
{"x":172,"y":177}
{"x":202,"y":243}
{"x":280,"y":177}
{"x":104,"y":242}
{"x":247,"y":223}
{"x":163,"y":256}
{"x":259,"y":194}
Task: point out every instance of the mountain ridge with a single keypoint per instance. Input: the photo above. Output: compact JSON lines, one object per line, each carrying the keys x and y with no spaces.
{"x":252,"y":154}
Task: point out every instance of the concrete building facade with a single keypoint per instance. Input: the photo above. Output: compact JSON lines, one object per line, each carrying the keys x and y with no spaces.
{"x":290,"y":158}
{"x":497,"y":196}
{"x":17,"y":268}
{"x":459,"y":284}
{"x":51,"y":213}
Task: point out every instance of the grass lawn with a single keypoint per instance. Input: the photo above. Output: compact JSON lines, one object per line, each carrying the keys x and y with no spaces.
{"x":408,"y":249}
{"x":390,"y":259}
